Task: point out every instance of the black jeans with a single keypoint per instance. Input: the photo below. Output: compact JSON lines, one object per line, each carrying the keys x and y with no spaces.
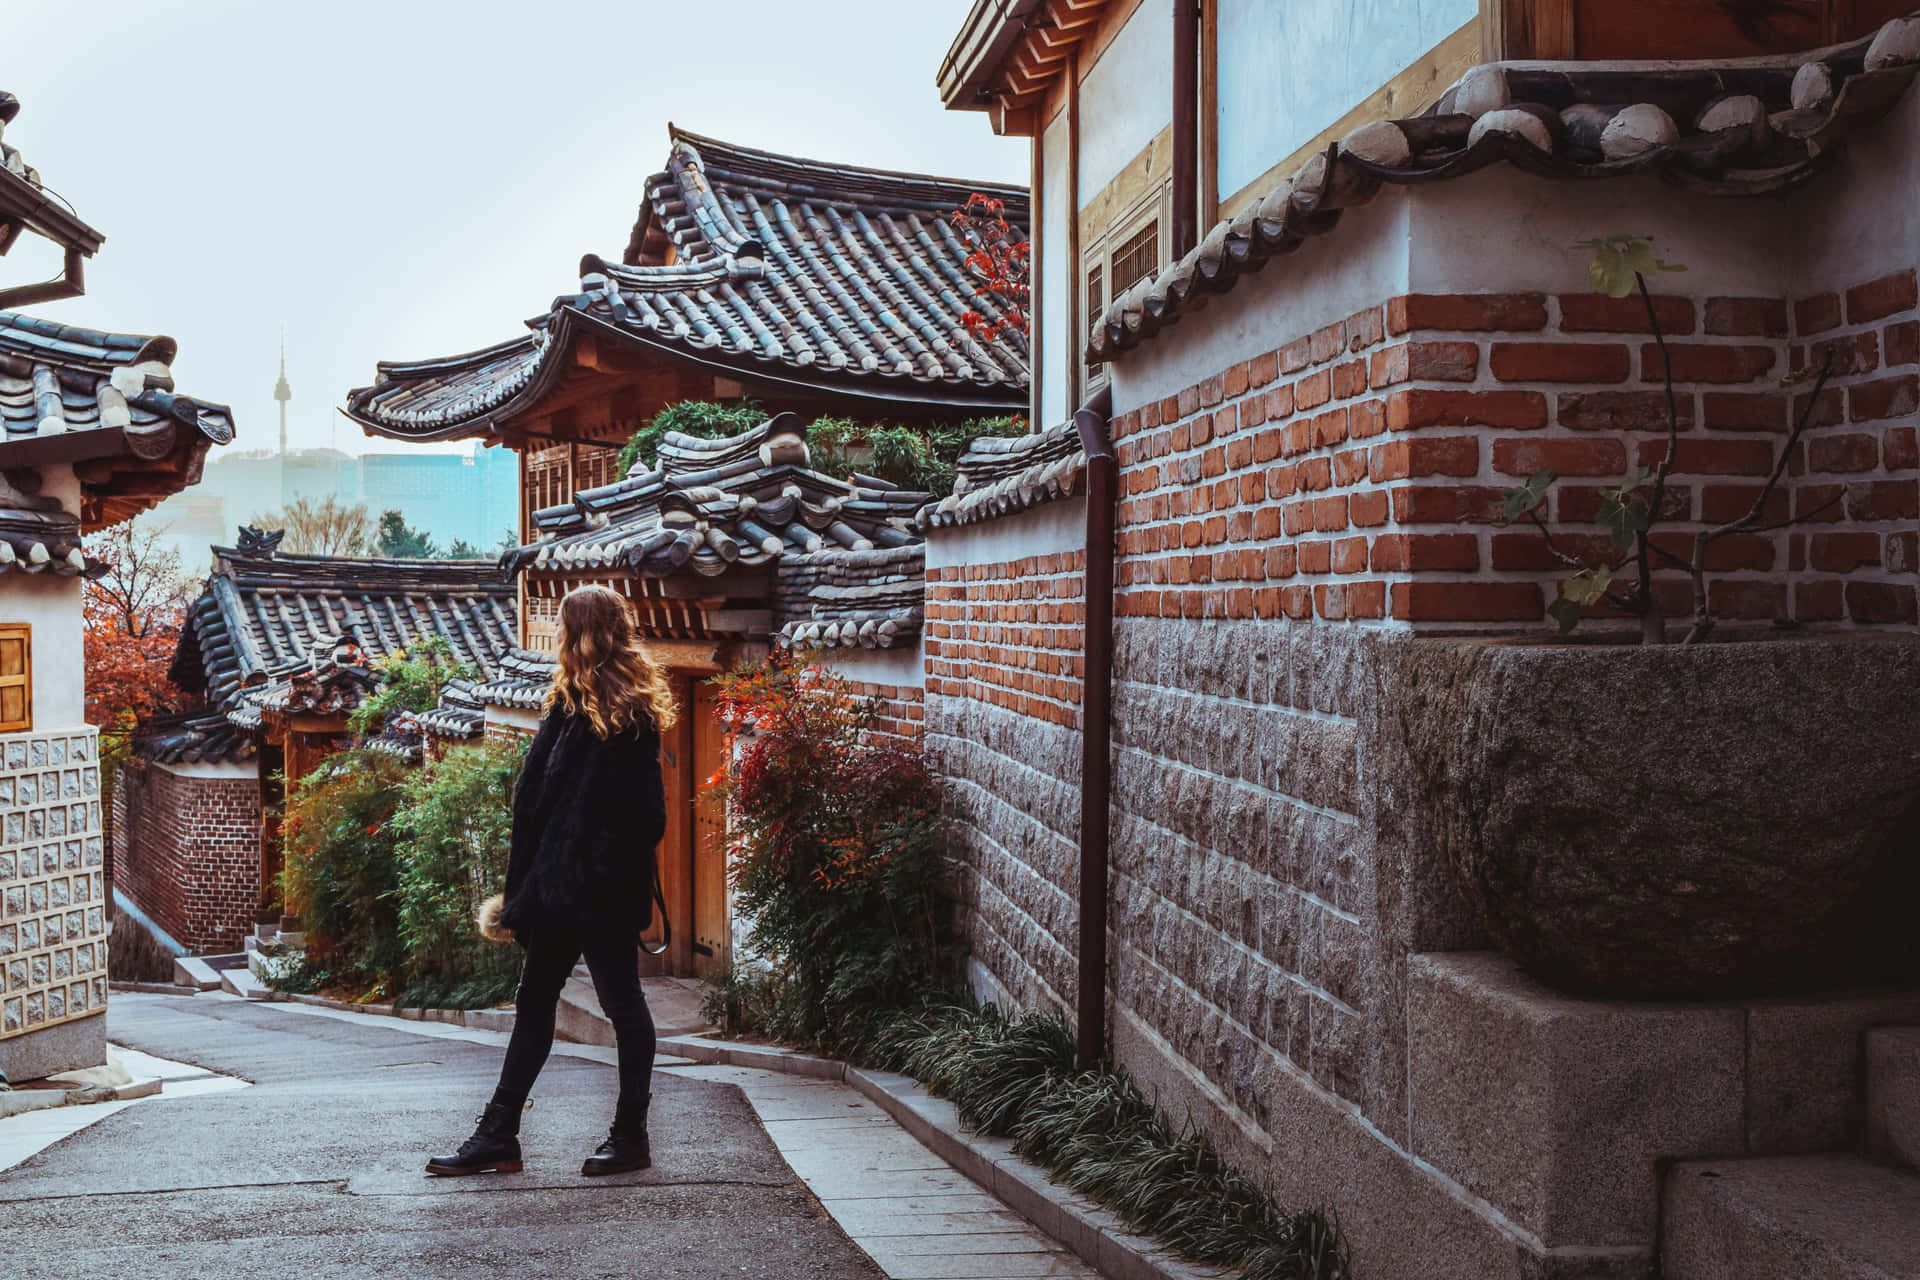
{"x":614,"y":964}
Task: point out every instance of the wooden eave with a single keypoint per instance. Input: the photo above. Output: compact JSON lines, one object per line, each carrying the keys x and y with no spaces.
{"x":24,"y":206}
{"x":1008,"y":54}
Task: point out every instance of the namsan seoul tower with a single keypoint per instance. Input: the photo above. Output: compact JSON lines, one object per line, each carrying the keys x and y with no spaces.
{"x":283,"y":393}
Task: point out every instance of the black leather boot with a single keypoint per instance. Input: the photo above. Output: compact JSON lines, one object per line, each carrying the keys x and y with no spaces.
{"x":625,"y":1149}
{"x":493,"y":1148}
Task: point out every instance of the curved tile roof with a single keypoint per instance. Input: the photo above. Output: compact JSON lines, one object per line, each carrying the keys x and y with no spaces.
{"x":747,"y":500}
{"x":999,"y":475}
{"x":1733,"y":127}
{"x":264,"y":616}
{"x":765,"y":266}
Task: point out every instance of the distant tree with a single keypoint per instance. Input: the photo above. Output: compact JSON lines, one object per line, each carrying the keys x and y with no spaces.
{"x":464,"y":550}
{"x":326,"y":527}
{"x":131,"y":617}
{"x":508,"y":541}
{"x":398,"y":540}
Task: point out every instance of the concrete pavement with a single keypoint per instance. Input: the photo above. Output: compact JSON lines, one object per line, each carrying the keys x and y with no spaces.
{"x":316,"y":1170}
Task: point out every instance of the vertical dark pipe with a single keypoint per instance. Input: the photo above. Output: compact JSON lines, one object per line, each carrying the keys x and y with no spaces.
{"x":1185,"y":231}
{"x":1036,"y":273}
{"x":1096,"y":711}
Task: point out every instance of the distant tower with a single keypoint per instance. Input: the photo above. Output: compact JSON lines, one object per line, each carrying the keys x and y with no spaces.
{"x":283,"y":393}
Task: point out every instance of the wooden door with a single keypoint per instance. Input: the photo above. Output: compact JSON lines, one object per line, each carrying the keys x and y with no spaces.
{"x":693,"y":873}
{"x":712,"y":928}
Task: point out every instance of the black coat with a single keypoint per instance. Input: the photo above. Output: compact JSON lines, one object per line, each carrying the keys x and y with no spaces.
{"x":588,"y":814}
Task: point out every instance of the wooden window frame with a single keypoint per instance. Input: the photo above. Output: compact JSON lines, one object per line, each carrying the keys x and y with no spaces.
{"x":1155,"y":208}
{"x":24,"y":681}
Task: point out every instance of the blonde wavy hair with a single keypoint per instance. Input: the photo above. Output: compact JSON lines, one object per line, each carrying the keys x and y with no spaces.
{"x":603,"y":672}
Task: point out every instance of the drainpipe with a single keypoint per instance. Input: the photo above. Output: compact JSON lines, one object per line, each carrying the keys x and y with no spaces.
{"x":1096,"y":710}
{"x":1185,"y":231}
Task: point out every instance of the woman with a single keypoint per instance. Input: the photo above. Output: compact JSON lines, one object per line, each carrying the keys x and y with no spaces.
{"x":582,"y":879}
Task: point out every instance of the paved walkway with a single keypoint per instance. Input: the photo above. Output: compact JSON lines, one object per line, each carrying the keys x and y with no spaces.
{"x":316,"y":1169}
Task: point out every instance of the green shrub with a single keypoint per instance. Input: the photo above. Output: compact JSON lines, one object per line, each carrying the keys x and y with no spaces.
{"x":341,"y":868}
{"x":455,"y":831}
{"x":912,"y":458}
{"x":410,"y":680}
{"x":838,"y":854}
{"x":699,"y":418}
{"x":1094,"y":1131}
{"x":386,"y":865}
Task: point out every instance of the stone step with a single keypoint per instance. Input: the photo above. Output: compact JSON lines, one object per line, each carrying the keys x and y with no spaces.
{"x":193,"y":971}
{"x":242,"y":982}
{"x":1835,"y":1216}
{"x":1893,"y":1095}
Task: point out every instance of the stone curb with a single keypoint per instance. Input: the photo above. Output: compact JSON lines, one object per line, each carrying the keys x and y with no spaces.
{"x":1098,"y":1236}
{"x":475,"y":1019}
{"x":19,"y":1101}
{"x":154,"y":988}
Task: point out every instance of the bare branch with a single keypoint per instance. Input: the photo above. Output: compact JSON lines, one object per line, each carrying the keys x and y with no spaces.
{"x":1553,"y":549}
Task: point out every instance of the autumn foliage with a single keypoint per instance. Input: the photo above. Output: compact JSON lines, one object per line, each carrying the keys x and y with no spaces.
{"x":837,"y":850}
{"x":999,"y":258}
{"x":132,"y":614}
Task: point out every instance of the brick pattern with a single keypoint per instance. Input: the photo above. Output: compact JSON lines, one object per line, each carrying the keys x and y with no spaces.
{"x":902,"y":711}
{"x":1350,"y":474}
{"x":53,"y":931}
{"x":188,"y":854}
{"x":1003,"y":646}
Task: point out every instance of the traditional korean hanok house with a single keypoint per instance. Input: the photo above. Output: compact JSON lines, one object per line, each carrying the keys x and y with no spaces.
{"x":1321,"y":257}
{"x":277,"y":650}
{"x":813,"y":289}
{"x":728,"y":547}
{"x":94,"y":433}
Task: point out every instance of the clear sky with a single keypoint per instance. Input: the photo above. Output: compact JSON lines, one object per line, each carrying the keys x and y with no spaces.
{"x":409,"y":178}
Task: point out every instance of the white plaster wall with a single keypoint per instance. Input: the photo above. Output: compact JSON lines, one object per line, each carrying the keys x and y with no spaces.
{"x":1290,"y":68}
{"x":52,"y":605}
{"x":1502,"y":230}
{"x":1040,"y":531}
{"x":513,"y":718}
{"x":1056,"y":279}
{"x":1861,"y":220}
{"x":899,"y":666}
{"x":211,"y":769}
{"x":1361,"y":263}
{"x":1125,"y":96}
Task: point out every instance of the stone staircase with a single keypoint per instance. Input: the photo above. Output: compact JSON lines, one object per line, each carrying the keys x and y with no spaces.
{"x":1838,"y":1215}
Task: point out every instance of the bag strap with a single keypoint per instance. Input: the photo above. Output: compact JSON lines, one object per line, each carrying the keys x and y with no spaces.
{"x":666,"y":925}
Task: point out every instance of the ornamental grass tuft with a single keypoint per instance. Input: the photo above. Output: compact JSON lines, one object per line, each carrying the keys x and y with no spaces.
{"x":1094,"y":1131}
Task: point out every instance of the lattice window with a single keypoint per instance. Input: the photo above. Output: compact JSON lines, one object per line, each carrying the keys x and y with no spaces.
{"x":595,"y":465}
{"x":16,"y":677}
{"x":1136,"y":257}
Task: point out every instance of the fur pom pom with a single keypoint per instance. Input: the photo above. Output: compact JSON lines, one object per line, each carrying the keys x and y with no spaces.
{"x":488,"y":919}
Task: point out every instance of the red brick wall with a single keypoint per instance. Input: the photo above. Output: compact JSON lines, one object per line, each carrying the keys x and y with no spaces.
{"x":902,"y":711}
{"x":1003,"y":644}
{"x":1009,"y":634}
{"x":188,"y":853}
{"x":1350,"y":473}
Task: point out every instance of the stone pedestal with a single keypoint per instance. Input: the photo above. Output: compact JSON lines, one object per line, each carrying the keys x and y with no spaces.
{"x":1559,"y":1112}
{"x":65,"y":1046}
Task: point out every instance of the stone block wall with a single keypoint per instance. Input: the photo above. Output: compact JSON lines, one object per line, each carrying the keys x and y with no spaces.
{"x":53,"y":931}
{"x":1003,"y":643}
{"x":188,"y":853}
{"x":1350,"y":473}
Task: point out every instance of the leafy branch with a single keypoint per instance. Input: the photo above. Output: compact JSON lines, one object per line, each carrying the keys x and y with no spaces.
{"x":1620,"y":266}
